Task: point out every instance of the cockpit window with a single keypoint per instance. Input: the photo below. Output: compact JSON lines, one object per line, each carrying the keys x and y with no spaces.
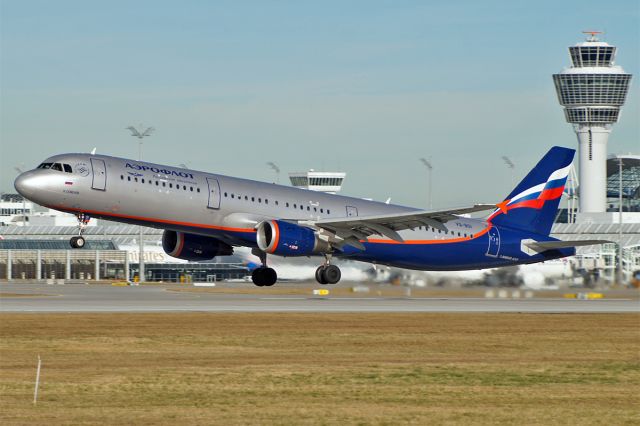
{"x":56,"y":166}
{"x":67,"y":168}
{"x":45,"y":165}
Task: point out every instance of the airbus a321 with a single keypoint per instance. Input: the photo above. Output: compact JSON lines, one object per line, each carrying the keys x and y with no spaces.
{"x":205,"y":215}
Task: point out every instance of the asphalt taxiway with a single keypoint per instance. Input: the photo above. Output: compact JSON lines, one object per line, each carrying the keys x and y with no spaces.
{"x":38,"y":297}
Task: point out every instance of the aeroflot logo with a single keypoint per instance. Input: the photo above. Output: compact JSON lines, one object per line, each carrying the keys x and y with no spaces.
{"x":162,"y":171}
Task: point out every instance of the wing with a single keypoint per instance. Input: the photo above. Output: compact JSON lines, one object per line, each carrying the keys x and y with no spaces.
{"x":351,"y":230}
{"x":540,"y":246}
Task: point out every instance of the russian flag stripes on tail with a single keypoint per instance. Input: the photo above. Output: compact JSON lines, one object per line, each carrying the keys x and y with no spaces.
{"x":533,"y":204}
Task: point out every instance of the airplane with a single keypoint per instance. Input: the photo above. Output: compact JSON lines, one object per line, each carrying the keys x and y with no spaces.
{"x":205,"y":215}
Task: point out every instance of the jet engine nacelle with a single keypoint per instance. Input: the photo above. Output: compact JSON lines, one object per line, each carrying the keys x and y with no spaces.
{"x":288,"y":239}
{"x":193,"y":247}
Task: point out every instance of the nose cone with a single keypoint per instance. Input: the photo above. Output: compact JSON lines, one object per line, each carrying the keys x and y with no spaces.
{"x":25,"y":184}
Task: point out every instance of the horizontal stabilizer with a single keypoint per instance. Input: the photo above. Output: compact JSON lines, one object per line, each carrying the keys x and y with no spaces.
{"x":540,"y":246}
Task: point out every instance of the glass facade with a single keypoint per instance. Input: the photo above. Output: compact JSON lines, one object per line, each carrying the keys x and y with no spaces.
{"x":592,"y":56}
{"x":630,"y":184}
{"x":592,"y":89}
{"x":591,"y":115}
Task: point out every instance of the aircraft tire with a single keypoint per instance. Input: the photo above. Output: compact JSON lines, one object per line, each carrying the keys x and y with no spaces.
{"x":257,"y":277}
{"x":320,"y":276}
{"x":331,"y":274}
{"x":270,"y":277}
{"x":264,"y":277}
{"x":77,"y":242}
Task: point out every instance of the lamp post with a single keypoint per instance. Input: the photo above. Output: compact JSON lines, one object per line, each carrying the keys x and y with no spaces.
{"x":429,"y":166}
{"x":140,"y":135}
{"x":276,"y":169}
{"x":620,"y":275}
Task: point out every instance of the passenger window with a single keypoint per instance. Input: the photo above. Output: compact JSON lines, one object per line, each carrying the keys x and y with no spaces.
{"x":246,"y":198}
{"x":157,"y":183}
{"x":233,"y":196}
{"x":287,"y":204}
{"x":266,"y":201}
{"x":308,"y":208}
{"x":328,"y":211}
{"x":198,"y":189}
{"x":191,"y":188}
{"x":301,"y":207}
{"x":276,"y":202}
{"x":56,"y":166}
{"x":164,"y":183}
{"x":184,"y":187}
{"x":321,"y":210}
{"x":136,"y":179}
{"x":295,"y":206}
{"x":225,"y":194}
{"x":129,"y":178}
{"x":170,"y":185}
{"x":253,"y":199}
{"x":142,"y":180}
{"x":67,"y":168}
{"x":121,"y":177}
{"x":259,"y":200}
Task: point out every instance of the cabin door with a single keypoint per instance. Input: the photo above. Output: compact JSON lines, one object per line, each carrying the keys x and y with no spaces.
{"x":214,"y":193}
{"x":99,"y":174}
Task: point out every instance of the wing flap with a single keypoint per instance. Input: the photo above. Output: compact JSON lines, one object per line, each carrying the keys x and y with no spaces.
{"x":360,"y":228}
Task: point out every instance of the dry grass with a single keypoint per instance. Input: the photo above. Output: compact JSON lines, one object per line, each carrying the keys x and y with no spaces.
{"x":321,"y":368}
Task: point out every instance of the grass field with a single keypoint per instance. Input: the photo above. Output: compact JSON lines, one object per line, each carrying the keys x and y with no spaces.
{"x":321,"y":368}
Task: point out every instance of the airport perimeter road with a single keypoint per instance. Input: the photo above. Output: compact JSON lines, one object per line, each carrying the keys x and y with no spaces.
{"x":105,"y":298}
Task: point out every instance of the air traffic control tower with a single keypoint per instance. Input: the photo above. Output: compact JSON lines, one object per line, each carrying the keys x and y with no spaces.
{"x":592,"y":91}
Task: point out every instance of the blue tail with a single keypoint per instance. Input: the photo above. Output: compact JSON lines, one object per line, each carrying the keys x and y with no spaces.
{"x":533,"y":205}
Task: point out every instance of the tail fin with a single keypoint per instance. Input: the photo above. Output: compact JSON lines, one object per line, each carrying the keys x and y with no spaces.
{"x":533,"y":205}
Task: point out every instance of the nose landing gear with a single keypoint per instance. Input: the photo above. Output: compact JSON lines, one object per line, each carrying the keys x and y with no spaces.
{"x":79,"y":241}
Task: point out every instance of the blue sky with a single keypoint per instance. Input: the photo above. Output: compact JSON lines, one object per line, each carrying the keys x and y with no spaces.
{"x":367,"y":87}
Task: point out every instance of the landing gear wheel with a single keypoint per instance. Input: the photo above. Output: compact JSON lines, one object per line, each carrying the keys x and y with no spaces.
{"x":331,"y":274}
{"x":320,"y":275}
{"x":264,"y":277}
{"x":77,"y":242}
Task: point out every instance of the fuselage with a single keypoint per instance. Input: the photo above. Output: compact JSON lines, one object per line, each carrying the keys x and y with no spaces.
{"x":229,"y":209}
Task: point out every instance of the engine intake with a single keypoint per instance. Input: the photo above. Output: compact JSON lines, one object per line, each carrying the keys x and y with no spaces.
{"x":193,"y":247}
{"x":288,"y":239}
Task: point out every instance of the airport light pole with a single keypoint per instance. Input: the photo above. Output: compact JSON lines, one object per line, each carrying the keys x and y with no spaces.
{"x":140,"y":134}
{"x":276,"y":169}
{"x":429,"y":166}
{"x":620,"y":275}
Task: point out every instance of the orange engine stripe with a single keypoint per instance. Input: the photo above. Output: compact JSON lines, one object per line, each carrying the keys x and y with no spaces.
{"x":180,"y":245}
{"x":276,"y":237}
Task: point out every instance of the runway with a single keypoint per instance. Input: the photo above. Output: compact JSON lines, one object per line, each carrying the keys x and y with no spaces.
{"x":105,"y":298}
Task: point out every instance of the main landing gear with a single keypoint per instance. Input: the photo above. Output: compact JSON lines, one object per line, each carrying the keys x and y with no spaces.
{"x":264,"y":276}
{"x":328,"y":273}
{"x":78,"y":241}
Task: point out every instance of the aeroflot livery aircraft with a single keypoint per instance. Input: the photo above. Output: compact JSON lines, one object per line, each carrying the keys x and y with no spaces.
{"x":204,"y":215}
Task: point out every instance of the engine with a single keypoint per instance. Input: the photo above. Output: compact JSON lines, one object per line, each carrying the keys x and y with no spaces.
{"x":288,"y":239}
{"x":193,"y":247}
